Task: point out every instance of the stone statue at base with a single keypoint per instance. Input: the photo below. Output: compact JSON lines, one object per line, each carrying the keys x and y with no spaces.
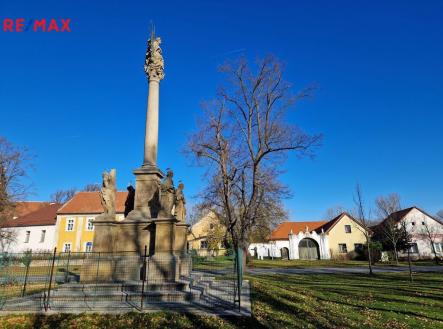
{"x":129,"y":203}
{"x":180,"y":202}
{"x":167,"y":196}
{"x":108,"y":193}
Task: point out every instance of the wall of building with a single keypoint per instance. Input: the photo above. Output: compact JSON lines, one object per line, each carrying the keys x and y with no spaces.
{"x":19,"y":243}
{"x":338,"y":235}
{"x":80,"y":236}
{"x":198,"y":236}
{"x":418,"y":233}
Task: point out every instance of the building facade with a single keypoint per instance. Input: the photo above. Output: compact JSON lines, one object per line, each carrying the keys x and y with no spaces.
{"x":33,"y":231}
{"x":75,"y":220}
{"x":198,"y":236}
{"x":426,"y":232}
{"x":338,"y":238}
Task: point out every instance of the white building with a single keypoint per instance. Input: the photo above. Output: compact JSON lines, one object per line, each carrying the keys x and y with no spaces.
{"x":338,"y":238}
{"x":34,"y":231}
{"x":423,"y":228}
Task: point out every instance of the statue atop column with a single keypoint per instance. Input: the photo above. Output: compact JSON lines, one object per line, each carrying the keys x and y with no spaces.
{"x":154,"y":65}
{"x":108,"y":193}
{"x":180,"y":209}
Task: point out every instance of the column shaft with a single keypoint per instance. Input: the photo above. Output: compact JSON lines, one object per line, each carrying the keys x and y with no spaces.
{"x":151,"y":132}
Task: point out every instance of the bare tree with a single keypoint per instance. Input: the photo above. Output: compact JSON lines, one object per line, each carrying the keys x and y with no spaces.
{"x":440,"y":214}
{"x":92,"y":187}
{"x":62,"y":196}
{"x":431,"y":232}
{"x":243,"y":140}
{"x":267,"y":221}
{"x":14,"y":163}
{"x":363,"y":216}
{"x":333,"y":212}
{"x":390,"y":229}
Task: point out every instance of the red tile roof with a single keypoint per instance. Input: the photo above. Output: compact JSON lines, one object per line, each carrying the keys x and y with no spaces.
{"x":23,"y":208}
{"x":282,"y":231}
{"x":46,"y":215}
{"x":90,"y":203}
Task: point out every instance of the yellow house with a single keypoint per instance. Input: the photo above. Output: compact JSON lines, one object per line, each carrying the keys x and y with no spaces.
{"x":346,"y":236}
{"x":74,"y":227}
{"x":199,"y":232}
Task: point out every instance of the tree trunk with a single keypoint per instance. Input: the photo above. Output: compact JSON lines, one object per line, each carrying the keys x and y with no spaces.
{"x":396,"y":254}
{"x":369,"y":257}
{"x":435,"y":253}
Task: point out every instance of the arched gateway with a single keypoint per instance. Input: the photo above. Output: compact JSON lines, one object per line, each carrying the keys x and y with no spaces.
{"x":284,"y":253}
{"x":308,"y":249}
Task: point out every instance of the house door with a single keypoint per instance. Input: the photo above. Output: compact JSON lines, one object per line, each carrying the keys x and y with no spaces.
{"x":284,"y":253}
{"x":308,"y":249}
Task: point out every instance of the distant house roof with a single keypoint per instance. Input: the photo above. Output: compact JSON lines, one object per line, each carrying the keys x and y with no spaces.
{"x":46,"y":215}
{"x":329,"y":225}
{"x":23,"y":208}
{"x":399,"y":215}
{"x":282,"y":231}
{"x":90,"y":203}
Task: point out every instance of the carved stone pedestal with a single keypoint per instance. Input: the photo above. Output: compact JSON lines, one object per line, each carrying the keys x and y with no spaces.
{"x":104,"y":227}
{"x":147,"y":182}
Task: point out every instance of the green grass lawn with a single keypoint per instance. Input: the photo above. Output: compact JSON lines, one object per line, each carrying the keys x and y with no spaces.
{"x":278,"y":263}
{"x":293,"y":301}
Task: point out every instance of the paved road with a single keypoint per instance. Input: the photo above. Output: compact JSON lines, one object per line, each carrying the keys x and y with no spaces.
{"x":350,"y":269}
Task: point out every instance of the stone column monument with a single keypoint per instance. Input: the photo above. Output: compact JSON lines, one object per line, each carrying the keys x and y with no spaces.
{"x":148,"y":177}
{"x":157,"y":219}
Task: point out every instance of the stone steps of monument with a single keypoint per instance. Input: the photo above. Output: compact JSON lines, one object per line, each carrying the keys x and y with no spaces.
{"x":136,"y":286}
{"x":165,"y":286}
{"x":162,"y":296}
{"x":20,"y":304}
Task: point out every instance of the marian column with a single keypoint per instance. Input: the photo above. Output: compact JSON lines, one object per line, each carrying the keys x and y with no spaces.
{"x":148,"y":177}
{"x":154,"y":69}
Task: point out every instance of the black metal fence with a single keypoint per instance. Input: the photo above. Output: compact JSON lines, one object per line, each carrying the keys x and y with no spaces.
{"x":119,"y":281}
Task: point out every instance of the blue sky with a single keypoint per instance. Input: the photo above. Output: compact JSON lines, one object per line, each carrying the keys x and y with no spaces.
{"x":78,"y":99}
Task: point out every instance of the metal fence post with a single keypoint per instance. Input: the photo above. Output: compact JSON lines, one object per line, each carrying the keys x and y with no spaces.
{"x":67,"y":267}
{"x":144,"y":273}
{"x":239,"y":270}
{"x":50,"y":280}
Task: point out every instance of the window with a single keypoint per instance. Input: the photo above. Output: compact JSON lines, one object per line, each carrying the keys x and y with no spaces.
{"x":348,"y":229}
{"x":203,"y":244}
{"x":28,"y":234}
{"x":90,"y":224}
{"x":358,"y":247}
{"x":438,"y":247}
{"x":211,"y":226}
{"x":413,"y":223}
{"x":342,"y":248}
{"x":42,"y":236}
{"x":88,"y":246}
{"x":413,"y":248}
{"x":423,"y":223}
{"x":70,"y":224}
{"x":67,"y":247}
